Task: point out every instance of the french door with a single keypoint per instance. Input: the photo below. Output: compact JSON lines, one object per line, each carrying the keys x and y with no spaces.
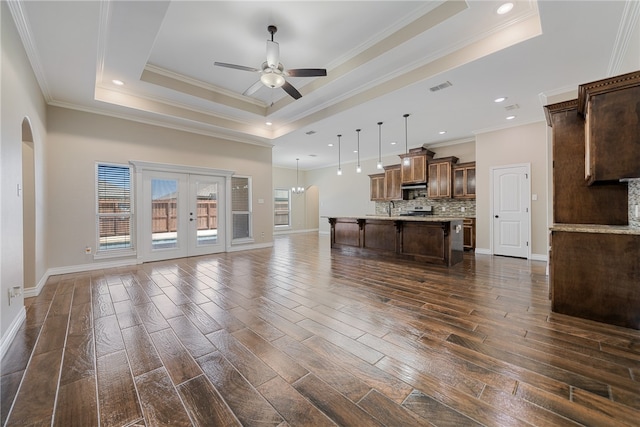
{"x":182,"y":215}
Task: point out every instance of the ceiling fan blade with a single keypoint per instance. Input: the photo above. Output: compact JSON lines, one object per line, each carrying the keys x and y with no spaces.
{"x":292,"y":91}
{"x":273,"y":54}
{"x":253,"y":88}
{"x":307,"y":72}
{"x":236,"y":67}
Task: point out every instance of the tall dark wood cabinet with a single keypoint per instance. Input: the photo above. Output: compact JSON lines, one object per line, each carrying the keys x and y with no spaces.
{"x":611,"y":108}
{"x":594,"y":267}
{"x":574,"y":201}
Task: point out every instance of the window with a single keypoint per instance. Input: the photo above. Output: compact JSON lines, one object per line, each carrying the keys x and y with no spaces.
{"x":113,"y":208}
{"x":282,"y":207}
{"x":241,"y":207}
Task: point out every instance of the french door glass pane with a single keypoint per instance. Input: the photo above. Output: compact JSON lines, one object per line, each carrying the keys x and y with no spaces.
{"x":207,"y":213}
{"x":164,"y":211}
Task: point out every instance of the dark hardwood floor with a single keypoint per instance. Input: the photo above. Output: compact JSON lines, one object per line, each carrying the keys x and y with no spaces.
{"x":300,"y":335}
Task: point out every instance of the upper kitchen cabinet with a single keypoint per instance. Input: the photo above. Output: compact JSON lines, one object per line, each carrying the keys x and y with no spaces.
{"x":377,"y":186}
{"x":611,"y":108}
{"x":464,"y":180}
{"x":574,"y":201}
{"x":414,"y":165}
{"x":392,"y":178}
{"x":440,"y":177}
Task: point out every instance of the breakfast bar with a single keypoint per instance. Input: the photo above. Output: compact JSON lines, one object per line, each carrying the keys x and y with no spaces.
{"x":433,"y":240}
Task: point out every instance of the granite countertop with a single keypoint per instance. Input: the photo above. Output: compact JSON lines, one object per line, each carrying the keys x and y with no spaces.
{"x":398,"y":218}
{"x":596,"y":228}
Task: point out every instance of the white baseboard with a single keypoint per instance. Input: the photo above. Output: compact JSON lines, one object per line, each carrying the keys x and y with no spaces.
{"x":252,"y":246}
{"x":534,"y":257}
{"x":539,"y":257}
{"x":325,"y":233}
{"x":34,"y":292}
{"x":8,"y":337}
{"x":310,"y":230}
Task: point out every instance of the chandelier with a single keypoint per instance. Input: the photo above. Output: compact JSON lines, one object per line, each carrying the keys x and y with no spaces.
{"x":297,"y":189}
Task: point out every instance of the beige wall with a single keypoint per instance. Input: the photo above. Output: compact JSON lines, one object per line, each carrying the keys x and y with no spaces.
{"x":21,"y":98}
{"x":304,"y":207}
{"x":465,"y":152}
{"x":347,"y":194}
{"x":77,"y":140}
{"x":516,"y":145}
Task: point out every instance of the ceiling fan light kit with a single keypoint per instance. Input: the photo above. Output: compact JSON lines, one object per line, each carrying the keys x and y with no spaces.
{"x":272,"y":73}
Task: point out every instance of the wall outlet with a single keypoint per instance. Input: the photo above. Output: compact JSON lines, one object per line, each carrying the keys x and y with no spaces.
{"x":444,"y":208}
{"x":14,"y":292}
{"x":636,"y":212}
{"x":462,"y":209}
{"x":262,"y":234}
{"x":87,"y":250}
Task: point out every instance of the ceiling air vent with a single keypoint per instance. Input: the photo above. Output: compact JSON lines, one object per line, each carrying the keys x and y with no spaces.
{"x":441,"y":86}
{"x":311,"y":132}
{"x":313,"y":155}
{"x":512,"y":107}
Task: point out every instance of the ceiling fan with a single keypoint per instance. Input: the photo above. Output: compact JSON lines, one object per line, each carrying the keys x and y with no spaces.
{"x":272,"y":72}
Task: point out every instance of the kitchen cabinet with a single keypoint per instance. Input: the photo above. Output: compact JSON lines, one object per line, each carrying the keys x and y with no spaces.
{"x":440,"y":177}
{"x":611,"y":109}
{"x":469,"y":233}
{"x":464,"y":180}
{"x":414,"y":165}
{"x":574,"y":201}
{"x":393,"y":182}
{"x":377,"y":186}
{"x":594,"y":273}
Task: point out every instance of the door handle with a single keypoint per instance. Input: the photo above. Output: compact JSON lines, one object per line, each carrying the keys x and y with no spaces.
{"x":190,"y":219}
{"x":497,"y":216}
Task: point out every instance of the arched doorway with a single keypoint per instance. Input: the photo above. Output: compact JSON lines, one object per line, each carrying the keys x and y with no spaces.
{"x":28,"y":206}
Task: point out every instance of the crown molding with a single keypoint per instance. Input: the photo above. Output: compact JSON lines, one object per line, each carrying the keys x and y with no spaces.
{"x":24,"y":30}
{"x":628,"y":27}
{"x":162,"y":124}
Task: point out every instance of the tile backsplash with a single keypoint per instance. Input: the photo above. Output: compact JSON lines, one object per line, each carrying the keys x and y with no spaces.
{"x":634,"y":200}
{"x":441,"y":207}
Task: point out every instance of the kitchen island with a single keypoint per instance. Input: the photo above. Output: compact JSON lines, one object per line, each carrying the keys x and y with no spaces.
{"x":433,"y":240}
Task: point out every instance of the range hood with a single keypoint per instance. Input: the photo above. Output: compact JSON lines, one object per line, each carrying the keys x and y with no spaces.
{"x":414,"y":187}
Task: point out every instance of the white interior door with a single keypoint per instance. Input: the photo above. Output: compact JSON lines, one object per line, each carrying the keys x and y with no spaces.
{"x":183,"y":215}
{"x":511,"y":211}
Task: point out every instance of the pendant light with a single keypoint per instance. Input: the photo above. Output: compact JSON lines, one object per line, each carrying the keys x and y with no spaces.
{"x":406,"y":160}
{"x":379,"y":166}
{"x":297,"y":189}
{"x":339,"y":168}
{"x":358,"y":168}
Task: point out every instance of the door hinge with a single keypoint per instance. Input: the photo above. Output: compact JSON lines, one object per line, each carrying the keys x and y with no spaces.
{"x":527,"y":243}
{"x":526,"y":209}
{"x":526,"y":176}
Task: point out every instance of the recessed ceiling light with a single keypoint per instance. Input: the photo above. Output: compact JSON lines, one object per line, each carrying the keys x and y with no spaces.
{"x":330,"y":144}
{"x":393,"y":143}
{"x":505,"y":8}
{"x":355,"y":151}
{"x":501,"y":99}
{"x":511,"y":117}
{"x":117,"y":82}
{"x":442,"y":132}
{"x":268,"y":123}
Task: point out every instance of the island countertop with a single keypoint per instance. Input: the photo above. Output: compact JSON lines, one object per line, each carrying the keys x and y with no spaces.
{"x":596,"y":228}
{"x":416,"y":218}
